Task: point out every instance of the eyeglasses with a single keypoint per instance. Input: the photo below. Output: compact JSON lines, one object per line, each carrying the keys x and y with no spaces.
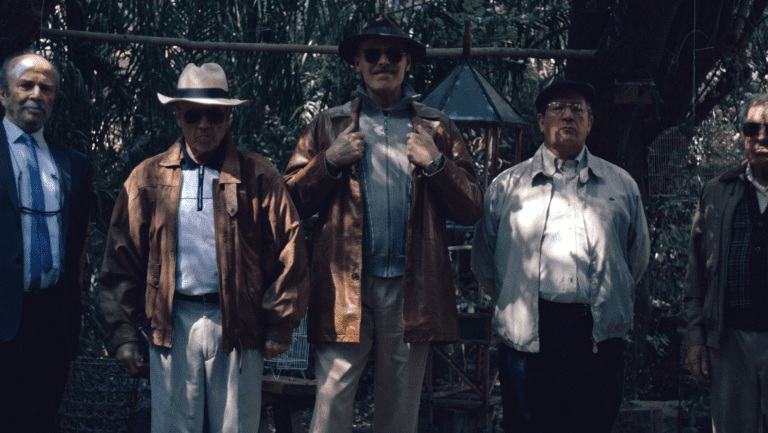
{"x":194,"y":116}
{"x":559,"y":107}
{"x":752,"y":129}
{"x":394,"y":54}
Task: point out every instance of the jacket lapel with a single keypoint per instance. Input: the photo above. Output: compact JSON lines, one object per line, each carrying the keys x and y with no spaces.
{"x":7,"y":182}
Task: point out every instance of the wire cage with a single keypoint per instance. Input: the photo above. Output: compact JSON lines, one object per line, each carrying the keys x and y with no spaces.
{"x":679,"y":166}
{"x":296,"y":357}
{"x":100,"y":397}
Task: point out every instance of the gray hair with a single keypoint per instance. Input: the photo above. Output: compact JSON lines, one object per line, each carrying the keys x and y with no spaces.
{"x":13,"y":56}
{"x":759,"y":99}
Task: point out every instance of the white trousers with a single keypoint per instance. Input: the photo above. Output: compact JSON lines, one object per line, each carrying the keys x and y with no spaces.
{"x":739,"y":382}
{"x":195,"y":387}
{"x":398,"y":372}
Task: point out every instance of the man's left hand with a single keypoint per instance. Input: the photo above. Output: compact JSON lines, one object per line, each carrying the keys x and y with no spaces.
{"x":274,"y":348}
{"x":421,"y":149}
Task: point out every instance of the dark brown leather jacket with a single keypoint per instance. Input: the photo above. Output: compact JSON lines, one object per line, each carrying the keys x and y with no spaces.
{"x":429,"y":303}
{"x":260,"y":251}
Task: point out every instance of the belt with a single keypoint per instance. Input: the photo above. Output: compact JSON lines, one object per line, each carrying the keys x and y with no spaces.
{"x":208,"y":298}
{"x":571,"y":309}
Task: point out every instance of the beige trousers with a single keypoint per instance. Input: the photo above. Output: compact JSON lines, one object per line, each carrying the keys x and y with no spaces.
{"x":739,"y":382}
{"x":398,"y":371}
{"x":195,"y":387}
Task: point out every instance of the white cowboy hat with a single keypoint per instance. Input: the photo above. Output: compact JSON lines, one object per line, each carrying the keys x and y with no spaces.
{"x":204,"y":85}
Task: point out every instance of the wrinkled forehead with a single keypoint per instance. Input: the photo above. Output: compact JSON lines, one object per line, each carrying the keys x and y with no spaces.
{"x":31,"y":63}
{"x":758,"y":112}
{"x":379,"y":42}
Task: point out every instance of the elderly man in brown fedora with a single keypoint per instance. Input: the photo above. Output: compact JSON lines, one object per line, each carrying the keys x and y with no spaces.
{"x":204,"y":236}
{"x":384,"y":172}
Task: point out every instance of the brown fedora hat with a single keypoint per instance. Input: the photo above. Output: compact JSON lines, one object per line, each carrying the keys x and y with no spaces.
{"x":381,"y":25}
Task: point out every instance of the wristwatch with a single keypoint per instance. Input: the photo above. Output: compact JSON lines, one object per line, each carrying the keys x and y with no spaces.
{"x":435,"y":165}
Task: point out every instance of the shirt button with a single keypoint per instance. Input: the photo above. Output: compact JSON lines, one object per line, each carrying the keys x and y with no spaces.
{"x":355,"y":276}
{"x":155,"y":280}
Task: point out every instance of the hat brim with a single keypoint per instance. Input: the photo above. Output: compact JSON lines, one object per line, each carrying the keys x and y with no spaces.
{"x":348,"y":47}
{"x":560,"y":87}
{"x":204,"y":101}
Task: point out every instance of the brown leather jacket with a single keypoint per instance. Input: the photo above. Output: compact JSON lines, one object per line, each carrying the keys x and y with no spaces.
{"x":260,"y":251}
{"x":429,"y":303}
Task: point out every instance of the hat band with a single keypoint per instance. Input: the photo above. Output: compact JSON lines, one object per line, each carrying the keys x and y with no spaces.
{"x":383,"y":30}
{"x":213,"y":92}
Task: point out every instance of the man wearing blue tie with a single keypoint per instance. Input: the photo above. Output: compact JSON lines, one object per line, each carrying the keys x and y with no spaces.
{"x":44,"y":207}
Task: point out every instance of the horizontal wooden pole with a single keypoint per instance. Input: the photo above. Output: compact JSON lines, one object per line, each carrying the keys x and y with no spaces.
{"x":519,"y":53}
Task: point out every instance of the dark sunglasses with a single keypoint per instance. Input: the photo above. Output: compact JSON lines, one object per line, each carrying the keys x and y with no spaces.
{"x":394,"y":54}
{"x":752,"y":129}
{"x":194,"y":116}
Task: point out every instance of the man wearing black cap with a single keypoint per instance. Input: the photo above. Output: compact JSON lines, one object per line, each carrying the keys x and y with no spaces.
{"x":384,"y":173}
{"x":205,"y":241}
{"x":560,"y":247}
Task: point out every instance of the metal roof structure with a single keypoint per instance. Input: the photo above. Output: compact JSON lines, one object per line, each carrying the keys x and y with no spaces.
{"x":471,"y":100}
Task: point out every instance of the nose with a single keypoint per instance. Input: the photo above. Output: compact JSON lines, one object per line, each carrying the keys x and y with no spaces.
{"x":36,"y":93}
{"x":762,"y":135}
{"x":204,"y":122}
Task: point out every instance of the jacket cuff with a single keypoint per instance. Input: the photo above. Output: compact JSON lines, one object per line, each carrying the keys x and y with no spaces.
{"x":123,"y":334}
{"x":694,"y":337}
{"x":280,"y":334}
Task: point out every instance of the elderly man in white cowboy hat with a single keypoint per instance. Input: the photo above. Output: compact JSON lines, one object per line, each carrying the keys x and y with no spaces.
{"x":384,"y":172}
{"x":204,"y":236}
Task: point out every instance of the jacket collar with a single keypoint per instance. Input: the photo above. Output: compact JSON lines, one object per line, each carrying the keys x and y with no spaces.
{"x":737,"y":172}
{"x":409,"y":96}
{"x":589,"y":165}
{"x":230,"y":167}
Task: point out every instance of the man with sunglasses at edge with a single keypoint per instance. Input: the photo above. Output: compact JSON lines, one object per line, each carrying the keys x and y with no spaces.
{"x":561,"y":244}
{"x":45,"y":192}
{"x":725,"y":326}
{"x":384,"y":172}
{"x":205,"y":239}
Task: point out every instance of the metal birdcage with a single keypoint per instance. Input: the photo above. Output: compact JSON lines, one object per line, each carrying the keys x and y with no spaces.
{"x":296,"y":357}
{"x":100,"y":397}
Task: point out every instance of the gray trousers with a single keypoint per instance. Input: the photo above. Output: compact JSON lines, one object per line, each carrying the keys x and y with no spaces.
{"x":398,"y":373}
{"x":739,"y":381}
{"x":195,"y":387}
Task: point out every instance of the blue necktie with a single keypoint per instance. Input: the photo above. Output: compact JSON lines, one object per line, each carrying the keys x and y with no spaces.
{"x":40,"y":257}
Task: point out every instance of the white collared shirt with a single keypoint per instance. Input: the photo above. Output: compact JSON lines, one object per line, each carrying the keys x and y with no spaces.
{"x":197,"y":271}
{"x":564,"y":261}
{"x":762,"y":192}
{"x":49,"y":175}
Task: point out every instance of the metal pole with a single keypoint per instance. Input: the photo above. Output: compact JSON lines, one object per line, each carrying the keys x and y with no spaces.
{"x":520,"y":53}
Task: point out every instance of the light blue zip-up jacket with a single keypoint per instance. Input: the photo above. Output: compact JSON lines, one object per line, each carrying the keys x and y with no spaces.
{"x":507,"y":247}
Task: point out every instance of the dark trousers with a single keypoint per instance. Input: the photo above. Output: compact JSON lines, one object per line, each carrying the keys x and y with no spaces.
{"x":565,"y":387}
{"x":34,"y":366}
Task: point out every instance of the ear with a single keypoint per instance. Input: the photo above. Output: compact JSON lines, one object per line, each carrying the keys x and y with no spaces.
{"x":540,"y":122}
{"x":407,"y":62}
{"x":590,"y":119}
{"x":358,"y":60}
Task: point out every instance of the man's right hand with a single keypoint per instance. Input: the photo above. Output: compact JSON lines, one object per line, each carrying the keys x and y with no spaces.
{"x":697,"y":361}
{"x":128,"y":354}
{"x":347,"y":148}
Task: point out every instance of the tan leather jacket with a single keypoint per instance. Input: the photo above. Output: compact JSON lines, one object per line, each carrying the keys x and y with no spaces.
{"x":260,"y":251}
{"x":429,"y":303}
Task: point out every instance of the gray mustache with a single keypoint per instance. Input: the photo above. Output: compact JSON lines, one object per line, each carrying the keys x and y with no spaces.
{"x":36,"y":105}
{"x":389,"y":68}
